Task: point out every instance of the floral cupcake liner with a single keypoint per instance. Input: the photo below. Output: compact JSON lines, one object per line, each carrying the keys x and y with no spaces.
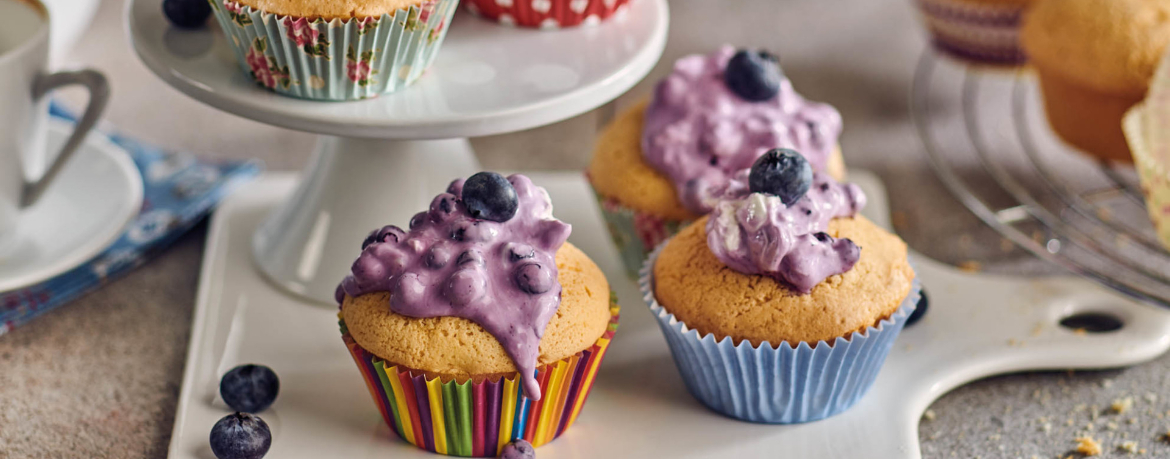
{"x":478,"y":418}
{"x":976,"y":32}
{"x":1154,"y":176}
{"x":546,"y":14}
{"x":777,"y":384}
{"x":312,"y":58}
{"x":635,"y":233}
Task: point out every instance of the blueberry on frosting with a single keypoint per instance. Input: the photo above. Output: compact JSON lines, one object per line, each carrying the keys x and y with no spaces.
{"x":782,"y":173}
{"x":753,"y":75}
{"x":759,"y":233}
{"x":484,"y":251}
{"x":489,"y":196}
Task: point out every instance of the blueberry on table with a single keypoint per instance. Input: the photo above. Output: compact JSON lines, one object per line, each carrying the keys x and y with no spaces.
{"x":518,"y":449}
{"x":490,"y":196}
{"x":240,"y":436}
{"x":249,"y":388}
{"x":753,"y":75}
{"x":923,"y":304}
{"x":187,"y":14}
{"x":782,"y":173}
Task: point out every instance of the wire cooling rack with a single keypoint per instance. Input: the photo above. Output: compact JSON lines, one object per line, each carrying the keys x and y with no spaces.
{"x":986,"y":137}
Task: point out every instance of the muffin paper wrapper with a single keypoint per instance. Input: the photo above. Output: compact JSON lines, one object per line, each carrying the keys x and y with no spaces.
{"x":312,"y":58}
{"x":975,"y":32}
{"x":635,"y":233}
{"x":1154,"y":176}
{"x":546,"y":14}
{"x":478,"y":419}
{"x":777,"y":384}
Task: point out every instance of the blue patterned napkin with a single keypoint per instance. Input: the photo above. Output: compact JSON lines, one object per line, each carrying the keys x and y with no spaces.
{"x":178,"y":191}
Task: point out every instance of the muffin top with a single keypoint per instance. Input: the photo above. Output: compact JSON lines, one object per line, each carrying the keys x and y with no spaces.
{"x":619,"y":171}
{"x":454,"y":347}
{"x":331,"y":9}
{"x":483,"y":252}
{"x":710,"y":297}
{"x":1109,"y":45}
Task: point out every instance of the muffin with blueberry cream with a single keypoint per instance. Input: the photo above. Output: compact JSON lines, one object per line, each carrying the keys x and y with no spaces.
{"x":656,"y":165}
{"x":782,"y":282}
{"x":480,"y":324}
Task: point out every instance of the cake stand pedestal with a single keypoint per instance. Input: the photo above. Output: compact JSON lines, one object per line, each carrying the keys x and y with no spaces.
{"x":379,"y":161}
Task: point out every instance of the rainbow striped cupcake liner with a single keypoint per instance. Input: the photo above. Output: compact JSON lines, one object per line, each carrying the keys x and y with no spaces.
{"x":975,"y":32}
{"x":635,"y":233}
{"x":478,"y":418}
{"x":782,"y":384}
{"x":352,"y":59}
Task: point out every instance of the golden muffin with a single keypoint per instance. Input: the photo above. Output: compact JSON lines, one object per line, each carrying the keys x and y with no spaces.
{"x":1094,"y":59}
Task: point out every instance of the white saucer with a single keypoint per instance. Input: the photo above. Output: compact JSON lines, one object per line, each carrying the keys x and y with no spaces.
{"x":84,"y":211}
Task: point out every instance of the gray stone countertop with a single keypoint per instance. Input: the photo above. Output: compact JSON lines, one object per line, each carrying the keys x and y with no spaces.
{"x":100,"y":377}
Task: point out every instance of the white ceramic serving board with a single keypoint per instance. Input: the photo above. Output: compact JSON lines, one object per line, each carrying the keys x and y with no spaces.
{"x":978,"y":325}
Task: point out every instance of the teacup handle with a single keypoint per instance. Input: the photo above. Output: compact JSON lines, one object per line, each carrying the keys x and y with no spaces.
{"x":99,"y":94}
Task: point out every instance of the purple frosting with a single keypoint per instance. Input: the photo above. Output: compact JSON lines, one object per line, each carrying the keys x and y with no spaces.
{"x":518,"y":449}
{"x":502,"y":276}
{"x":755,"y":233}
{"x":699,"y":133}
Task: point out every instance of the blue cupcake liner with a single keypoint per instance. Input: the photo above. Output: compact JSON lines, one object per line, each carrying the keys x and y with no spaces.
{"x":783,"y":384}
{"x":352,"y":59}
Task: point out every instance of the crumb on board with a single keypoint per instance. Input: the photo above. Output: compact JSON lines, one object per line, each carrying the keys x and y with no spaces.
{"x":1038,"y":329}
{"x":971,"y":266}
{"x":1130,"y":447}
{"x":1166,"y":436}
{"x":1106,"y":383}
{"x":1080,"y":332}
{"x":1111,"y":426}
{"x":1131,"y":421}
{"x":1150,"y":397}
{"x":928,"y":415}
{"x":1121,"y":405}
{"x":1088,"y":446}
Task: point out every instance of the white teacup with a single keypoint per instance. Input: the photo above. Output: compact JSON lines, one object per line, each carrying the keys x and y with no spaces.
{"x":25,"y":167}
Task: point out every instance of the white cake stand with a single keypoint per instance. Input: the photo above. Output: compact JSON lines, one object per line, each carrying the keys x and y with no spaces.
{"x":380,"y":161}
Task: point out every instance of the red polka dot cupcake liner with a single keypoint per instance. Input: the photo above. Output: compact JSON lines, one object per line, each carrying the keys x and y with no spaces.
{"x":547,"y":14}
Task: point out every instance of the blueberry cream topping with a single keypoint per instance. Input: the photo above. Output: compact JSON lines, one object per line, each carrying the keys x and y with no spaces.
{"x":772,"y":221}
{"x":715,"y":114}
{"x":485,"y":251}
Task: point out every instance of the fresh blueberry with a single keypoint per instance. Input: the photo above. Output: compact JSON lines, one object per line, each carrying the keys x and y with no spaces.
{"x":753,"y":75}
{"x":240,"y":436}
{"x":783,"y":173}
{"x":249,"y":388}
{"x":187,"y":14}
{"x":518,"y":449}
{"x":923,"y":305}
{"x":489,"y":196}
